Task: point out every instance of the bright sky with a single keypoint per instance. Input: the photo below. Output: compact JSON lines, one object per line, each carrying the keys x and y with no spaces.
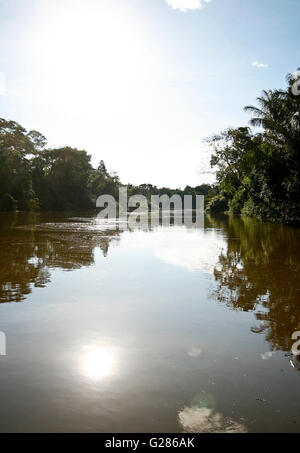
{"x":140,"y":83}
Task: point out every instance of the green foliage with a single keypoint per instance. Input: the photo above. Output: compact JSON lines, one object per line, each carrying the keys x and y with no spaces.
{"x":100,"y":181}
{"x":33,"y":177}
{"x":238,"y":201}
{"x":218,"y":204}
{"x":260,"y":173}
{"x":16,"y":148}
{"x":249,"y":209}
{"x":66,"y":174}
{"x":148,"y":190}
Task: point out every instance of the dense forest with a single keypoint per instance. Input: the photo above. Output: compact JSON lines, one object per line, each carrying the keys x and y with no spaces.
{"x":34,"y":177}
{"x":258,"y":174}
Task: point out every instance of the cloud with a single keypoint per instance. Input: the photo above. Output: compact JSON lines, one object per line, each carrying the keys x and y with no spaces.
{"x":259,"y":65}
{"x":184,"y":5}
{"x":2,"y":84}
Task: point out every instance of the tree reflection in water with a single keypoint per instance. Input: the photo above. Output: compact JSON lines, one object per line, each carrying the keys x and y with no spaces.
{"x":260,"y":272}
{"x":30,"y":247}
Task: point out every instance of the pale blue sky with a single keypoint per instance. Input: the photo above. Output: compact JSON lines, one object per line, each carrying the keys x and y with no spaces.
{"x":140,"y":83}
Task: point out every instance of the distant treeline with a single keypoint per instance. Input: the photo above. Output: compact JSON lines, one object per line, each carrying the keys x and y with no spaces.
{"x":33,"y":177}
{"x":259,"y":174}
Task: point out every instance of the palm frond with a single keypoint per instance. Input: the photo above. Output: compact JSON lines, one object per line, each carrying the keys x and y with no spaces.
{"x":254,"y":110}
{"x":257,"y":122}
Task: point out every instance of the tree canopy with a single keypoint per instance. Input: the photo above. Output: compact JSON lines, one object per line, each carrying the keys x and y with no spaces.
{"x":258,"y":173}
{"x":34,"y":177}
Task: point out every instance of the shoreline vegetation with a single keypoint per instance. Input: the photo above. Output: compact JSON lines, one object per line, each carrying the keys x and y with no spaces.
{"x":258,"y":174}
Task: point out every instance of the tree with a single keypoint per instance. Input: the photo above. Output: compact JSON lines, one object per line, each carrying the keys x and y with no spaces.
{"x":66,"y":173}
{"x":15,"y":170}
{"x":259,"y":173}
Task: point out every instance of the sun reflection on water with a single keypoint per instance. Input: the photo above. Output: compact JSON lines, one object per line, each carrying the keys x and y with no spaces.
{"x":98,"y":363}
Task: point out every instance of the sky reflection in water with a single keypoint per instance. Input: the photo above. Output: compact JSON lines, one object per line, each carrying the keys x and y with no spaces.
{"x":169,"y":330}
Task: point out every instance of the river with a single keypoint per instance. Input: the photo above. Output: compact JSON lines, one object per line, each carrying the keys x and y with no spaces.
{"x":173,"y":329}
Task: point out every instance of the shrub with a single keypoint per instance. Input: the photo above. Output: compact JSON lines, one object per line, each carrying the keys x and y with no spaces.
{"x":218,"y":204}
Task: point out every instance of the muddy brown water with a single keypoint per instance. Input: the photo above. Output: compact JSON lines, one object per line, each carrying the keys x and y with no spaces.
{"x":173,"y":329}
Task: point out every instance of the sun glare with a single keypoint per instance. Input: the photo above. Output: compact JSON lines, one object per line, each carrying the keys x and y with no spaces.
{"x":88,"y":55}
{"x":98,"y":363}
{"x":96,"y":71}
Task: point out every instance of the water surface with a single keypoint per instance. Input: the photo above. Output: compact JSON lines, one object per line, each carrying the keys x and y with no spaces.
{"x":164,"y":330}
